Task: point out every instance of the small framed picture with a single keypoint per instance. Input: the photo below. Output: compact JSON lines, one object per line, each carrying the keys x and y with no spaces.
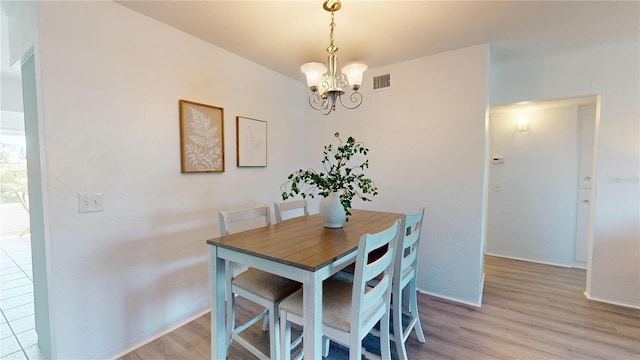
{"x":201,"y":137}
{"x":251,"y":142}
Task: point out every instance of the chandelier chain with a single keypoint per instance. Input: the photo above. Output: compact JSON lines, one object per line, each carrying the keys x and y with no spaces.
{"x":331,"y":49}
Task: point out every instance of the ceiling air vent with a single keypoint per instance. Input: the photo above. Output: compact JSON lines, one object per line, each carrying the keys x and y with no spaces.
{"x":382,"y":82}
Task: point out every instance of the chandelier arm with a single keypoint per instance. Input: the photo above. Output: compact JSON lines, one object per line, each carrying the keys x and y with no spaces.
{"x":317,"y":102}
{"x":355,"y":98}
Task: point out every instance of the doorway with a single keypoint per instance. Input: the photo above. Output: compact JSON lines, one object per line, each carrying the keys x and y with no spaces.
{"x":17,"y":311}
{"x":24,"y":320}
{"x":540,"y":172}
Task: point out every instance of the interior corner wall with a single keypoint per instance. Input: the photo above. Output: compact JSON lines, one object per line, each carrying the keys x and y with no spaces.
{"x":111,"y":80}
{"x":611,"y":71}
{"x":426,"y":136}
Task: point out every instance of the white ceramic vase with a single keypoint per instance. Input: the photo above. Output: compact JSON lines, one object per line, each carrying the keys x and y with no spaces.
{"x":332,"y":211}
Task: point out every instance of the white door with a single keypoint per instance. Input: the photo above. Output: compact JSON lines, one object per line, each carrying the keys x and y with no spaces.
{"x":582,"y":226}
{"x":586,"y":135}
{"x":587,"y":129}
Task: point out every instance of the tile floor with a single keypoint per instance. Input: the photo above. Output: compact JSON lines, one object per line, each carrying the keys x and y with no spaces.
{"x":18,"y":337}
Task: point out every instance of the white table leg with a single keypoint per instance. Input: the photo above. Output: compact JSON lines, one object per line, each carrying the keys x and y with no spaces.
{"x":312,"y":297}
{"x":217,"y":289}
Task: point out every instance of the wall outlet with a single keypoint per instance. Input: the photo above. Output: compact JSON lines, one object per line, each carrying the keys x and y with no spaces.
{"x":90,"y":202}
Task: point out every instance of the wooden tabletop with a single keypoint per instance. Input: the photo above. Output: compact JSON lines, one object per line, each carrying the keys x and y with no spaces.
{"x":304,"y":242}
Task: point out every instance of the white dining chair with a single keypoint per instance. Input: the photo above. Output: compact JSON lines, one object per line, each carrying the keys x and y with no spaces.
{"x":23,"y":197}
{"x":351,"y":309}
{"x":289,"y":209}
{"x":404,"y":298}
{"x":255,"y":285}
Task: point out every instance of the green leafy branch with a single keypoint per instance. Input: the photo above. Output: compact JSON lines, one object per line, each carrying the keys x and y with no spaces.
{"x":350,"y":181}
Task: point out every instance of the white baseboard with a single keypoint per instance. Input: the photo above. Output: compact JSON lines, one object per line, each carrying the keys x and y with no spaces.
{"x":162,"y":333}
{"x":454,"y":299}
{"x":529,"y":260}
{"x":633,"y":306}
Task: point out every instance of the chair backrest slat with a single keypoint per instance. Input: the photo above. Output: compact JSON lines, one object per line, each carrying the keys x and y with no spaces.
{"x":291,"y":208}
{"x":239,"y":220}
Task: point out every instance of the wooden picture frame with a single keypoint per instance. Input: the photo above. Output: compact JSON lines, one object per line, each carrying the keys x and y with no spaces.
{"x":201,"y":137}
{"x":251,"y":142}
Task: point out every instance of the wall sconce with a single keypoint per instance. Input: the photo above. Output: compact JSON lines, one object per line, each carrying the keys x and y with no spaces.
{"x":522,"y":124}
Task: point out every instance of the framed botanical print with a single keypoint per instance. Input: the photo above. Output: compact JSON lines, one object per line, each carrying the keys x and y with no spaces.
{"x":201,"y":137}
{"x":251,"y":142}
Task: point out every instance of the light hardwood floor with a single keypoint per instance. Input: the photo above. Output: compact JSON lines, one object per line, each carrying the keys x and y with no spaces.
{"x":529,"y":311}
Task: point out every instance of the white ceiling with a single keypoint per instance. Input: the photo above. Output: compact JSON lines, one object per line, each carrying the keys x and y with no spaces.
{"x":282,"y":35}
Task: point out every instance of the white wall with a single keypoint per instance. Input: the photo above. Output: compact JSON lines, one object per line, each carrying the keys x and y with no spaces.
{"x":612,"y":71}
{"x":426,"y":137}
{"x":110,"y":84}
{"x":532,"y":194}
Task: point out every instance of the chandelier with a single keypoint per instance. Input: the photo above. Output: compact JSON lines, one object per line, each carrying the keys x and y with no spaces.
{"x":327,"y":86}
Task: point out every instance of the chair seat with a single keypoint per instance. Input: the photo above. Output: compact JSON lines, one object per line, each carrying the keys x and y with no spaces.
{"x":268,"y":286}
{"x":336,"y":304}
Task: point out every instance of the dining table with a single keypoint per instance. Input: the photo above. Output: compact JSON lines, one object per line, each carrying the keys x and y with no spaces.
{"x":300,"y":249}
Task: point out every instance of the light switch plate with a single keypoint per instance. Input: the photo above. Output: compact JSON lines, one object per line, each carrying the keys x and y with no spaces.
{"x":90,"y":202}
